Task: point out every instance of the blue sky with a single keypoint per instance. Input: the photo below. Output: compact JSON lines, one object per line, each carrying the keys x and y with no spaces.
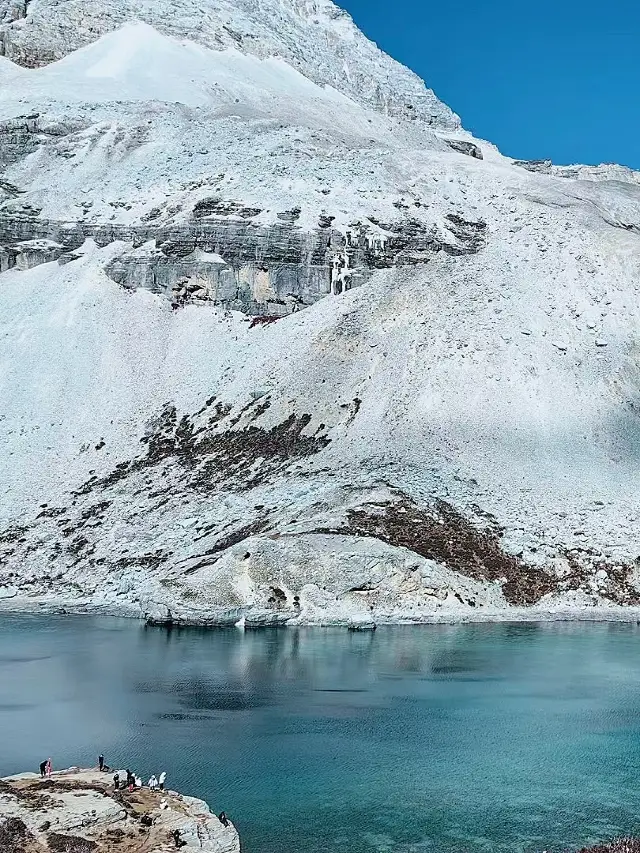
{"x":557,"y":79}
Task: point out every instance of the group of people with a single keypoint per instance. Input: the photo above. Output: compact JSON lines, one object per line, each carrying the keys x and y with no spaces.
{"x":133,"y":781}
{"x":130,"y":783}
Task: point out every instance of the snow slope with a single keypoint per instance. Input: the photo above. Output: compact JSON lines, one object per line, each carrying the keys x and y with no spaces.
{"x":143,"y":109}
{"x":137,"y":63}
{"x":458,"y":437}
{"x":313,"y":36}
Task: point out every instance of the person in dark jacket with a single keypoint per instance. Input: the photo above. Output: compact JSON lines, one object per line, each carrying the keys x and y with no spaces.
{"x":43,"y":769}
{"x":101,"y":762}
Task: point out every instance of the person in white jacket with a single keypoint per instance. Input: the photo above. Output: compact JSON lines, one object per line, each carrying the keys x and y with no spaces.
{"x":161,"y":780}
{"x":153,"y":783}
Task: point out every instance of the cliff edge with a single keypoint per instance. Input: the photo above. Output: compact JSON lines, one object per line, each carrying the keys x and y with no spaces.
{"x":78,"y":811}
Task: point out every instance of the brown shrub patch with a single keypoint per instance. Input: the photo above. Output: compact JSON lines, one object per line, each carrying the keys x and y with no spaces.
{"x":14,"y":836}
{"x":443,"y":534}
{"x":70,"y":843}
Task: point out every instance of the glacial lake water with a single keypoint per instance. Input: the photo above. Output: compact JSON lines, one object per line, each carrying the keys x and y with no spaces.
{"x":412,"y":739}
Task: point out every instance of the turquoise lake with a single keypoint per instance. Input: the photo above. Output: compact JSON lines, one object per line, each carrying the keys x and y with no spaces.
{"x":412,"y":739}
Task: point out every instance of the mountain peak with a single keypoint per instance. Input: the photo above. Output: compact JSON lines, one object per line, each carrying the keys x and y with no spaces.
{"x":314,"y":36}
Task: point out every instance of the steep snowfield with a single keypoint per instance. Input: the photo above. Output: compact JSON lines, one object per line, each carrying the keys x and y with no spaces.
{"x":313,"y":36}
{"x":137,"y":63}
{"x":455,"y":438}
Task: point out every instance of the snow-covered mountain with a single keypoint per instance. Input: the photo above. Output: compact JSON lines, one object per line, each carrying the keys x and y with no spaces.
{"x":281,"y":341}
{"x":314,"y":37}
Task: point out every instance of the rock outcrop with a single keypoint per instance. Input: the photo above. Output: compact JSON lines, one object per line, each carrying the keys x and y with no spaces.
{"x":79,"y":811}
{"x":201,"y":242}
{"x":266,"y":270}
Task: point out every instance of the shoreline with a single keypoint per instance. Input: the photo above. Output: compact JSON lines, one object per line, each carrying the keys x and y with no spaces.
{"x":19,"y":606}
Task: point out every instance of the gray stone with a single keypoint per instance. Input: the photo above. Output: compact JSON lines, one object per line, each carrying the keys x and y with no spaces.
{"x":464,"y":147}
{"x":545,"y":167}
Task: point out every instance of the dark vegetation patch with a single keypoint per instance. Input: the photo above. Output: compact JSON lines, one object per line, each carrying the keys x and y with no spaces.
{"x":59,"y":843}
{"x":259,"y":411}
{"x":13,"y":534}
{"x":78,"y":545}
{"x":262,"y":321}
{"x":234,"y":538}
{"x":30,"y":797}
{"x":204,"y":452}
{"x":14,"y":836}
{"x":115,"y":835}
{"x":95,"y":511}
{"x":70,"y":785}
{"x":216,"y":413}
{"x":247,"y":457}
{"x":443,"y":534}
{"x":51,"y":511}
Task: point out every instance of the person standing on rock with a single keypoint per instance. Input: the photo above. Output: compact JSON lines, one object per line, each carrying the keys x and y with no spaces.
{"x":116,"y":780}
{"x":101,"y":762}
{"x":153,"y":783}
{"x":43,"y":769}
{"x":163,"y":776}
{"x":49,"y":767}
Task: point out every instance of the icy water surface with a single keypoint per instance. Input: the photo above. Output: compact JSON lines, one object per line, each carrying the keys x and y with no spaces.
{"x":466,"y":738}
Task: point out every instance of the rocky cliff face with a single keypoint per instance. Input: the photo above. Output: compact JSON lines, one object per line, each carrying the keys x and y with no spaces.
{"x":284,"y":346}
{"x":267,"y":270}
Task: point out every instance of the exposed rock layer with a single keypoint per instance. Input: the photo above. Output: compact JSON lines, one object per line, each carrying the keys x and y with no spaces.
{"x":264,"y":270}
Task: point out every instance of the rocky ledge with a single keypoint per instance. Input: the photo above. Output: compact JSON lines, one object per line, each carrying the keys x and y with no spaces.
{"x":78,"y":811}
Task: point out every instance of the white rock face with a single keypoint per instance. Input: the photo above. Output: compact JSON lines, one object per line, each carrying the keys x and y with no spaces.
{"x":457,"y":437}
